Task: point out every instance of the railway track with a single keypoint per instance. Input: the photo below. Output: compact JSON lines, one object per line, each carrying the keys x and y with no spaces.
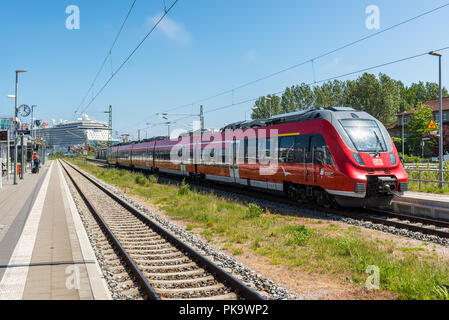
{"x":405,"y":221}
{"x":163,"y":266}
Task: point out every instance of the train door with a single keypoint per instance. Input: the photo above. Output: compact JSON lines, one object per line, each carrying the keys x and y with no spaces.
{"x":234,"y":165}
{"x":308,"y":163}
{"x":318,"y":159}
{"x":182,"y":156}
{"x":301,"y":147}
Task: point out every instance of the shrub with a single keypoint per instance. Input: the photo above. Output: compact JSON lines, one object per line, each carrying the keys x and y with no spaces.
{"x":253,"y":211}
{"x":297,"y":235}
{"x":152,"y":179}
{"x":441,"y":292}
{"x":140,"y":180}
{"x":184,"y":189}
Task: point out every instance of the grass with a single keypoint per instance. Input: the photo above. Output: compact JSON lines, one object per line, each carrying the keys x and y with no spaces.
{"x":318,"y":247}
{"x":429,"y":187}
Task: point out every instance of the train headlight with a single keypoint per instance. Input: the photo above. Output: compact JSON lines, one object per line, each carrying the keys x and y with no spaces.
{"x":358,"y":159}
{"x":393,"y":159}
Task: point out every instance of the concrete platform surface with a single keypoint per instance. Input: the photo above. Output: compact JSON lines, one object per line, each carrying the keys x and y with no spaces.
{"x":431,"y":205}
{"x":44,"y":250}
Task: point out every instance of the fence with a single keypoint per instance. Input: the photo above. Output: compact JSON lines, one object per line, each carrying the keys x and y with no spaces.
{"x":427,"y":177}
{"x":421,"y":166}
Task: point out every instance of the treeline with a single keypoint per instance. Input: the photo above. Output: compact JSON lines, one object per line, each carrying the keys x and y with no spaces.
{"x":381,"y":96}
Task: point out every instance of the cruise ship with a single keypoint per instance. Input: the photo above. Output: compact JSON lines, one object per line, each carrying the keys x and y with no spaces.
{"x":81,"y":132}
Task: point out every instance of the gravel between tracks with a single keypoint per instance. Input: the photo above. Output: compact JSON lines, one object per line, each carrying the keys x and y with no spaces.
{"x":258,"y":282}
{"x":119,"y":281}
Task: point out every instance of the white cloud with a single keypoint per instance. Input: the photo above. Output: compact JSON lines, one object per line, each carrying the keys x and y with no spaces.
{"x":173,"y":30}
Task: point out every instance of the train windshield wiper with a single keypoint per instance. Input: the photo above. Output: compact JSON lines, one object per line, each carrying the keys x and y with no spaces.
{"x":379,"y":144}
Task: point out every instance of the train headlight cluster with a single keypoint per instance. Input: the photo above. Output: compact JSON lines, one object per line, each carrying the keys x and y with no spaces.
{"x":358,"y":159}
{"x":392,"y":159}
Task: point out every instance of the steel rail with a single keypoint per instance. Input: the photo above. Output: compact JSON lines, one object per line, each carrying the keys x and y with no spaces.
{"x":411,"y":218}
{"x":141,"y":279}
{"x":242,"y":290}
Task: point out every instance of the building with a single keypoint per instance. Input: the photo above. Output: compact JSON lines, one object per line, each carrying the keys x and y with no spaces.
{"x":395,"y":129}
{"x":83,"y":132}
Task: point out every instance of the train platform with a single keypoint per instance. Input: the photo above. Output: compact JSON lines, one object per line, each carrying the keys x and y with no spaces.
{"x":45,"y":253}
{"x":431,"y":205}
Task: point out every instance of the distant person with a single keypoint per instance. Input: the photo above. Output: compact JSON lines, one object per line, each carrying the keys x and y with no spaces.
{"x":36,"y":164}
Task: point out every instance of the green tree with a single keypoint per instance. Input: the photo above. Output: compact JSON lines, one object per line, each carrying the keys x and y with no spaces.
{"x":330,"y":94}
{"x":288,"y":101}
{"x":379,"y":97}
{"x":263,"y":106}
{"x":303,"y":97}
{"x":420,"y":92}
{"x":417,"y":127}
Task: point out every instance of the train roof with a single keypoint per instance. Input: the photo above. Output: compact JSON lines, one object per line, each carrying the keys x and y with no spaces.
{"x":297,"y":116}
{"x":332,"y":114}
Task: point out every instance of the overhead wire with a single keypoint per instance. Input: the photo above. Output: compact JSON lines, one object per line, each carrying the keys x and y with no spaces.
{"x":109,"y":54}
{"x":311,"y":60}
{"x":131,"y":54}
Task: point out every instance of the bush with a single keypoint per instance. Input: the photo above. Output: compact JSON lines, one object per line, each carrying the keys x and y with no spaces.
{"x":152,"y":179}
{"x":441,"y":292}
{"x":412,"y":159}
{"x":253,"y":211}
{"x":184,"y":189}
{"x":140,"y":180}
{"x":297,"y":235}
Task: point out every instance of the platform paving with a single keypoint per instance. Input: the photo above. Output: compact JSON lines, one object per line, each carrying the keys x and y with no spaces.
{"x":429,"y":205}
{"x":44,"y":250}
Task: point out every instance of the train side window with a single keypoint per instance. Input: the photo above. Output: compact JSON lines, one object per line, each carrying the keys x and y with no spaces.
{"x":252,"y":151}
{"x":286,"y":149}
{"x":321,"y":154}
{"x":301,"y":148}
{"x":245,"y":150}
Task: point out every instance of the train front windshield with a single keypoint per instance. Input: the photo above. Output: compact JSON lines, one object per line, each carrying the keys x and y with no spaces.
{"x":365,"y":135}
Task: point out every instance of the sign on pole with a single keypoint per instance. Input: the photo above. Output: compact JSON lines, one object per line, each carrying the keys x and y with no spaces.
{"x":432,"y":125}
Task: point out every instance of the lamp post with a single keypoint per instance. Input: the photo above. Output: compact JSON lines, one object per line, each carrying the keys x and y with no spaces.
{"x":269,"y":99}
{"x":8,"y":160}
{"x":32,"y":120}
{"x":402,"y":127}
{"x":15,"y":124}
{"x":440,"y":149}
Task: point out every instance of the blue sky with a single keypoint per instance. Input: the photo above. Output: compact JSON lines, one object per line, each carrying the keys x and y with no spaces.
{"x":204,"y":47}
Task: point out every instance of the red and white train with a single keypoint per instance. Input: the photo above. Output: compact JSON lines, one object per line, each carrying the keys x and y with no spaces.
{"x":325,"y":155}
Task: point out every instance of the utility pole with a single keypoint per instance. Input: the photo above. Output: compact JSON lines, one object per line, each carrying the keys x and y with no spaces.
{"x":440,"y":125}
{"x":8,"y":154}
{"x":269,"y":99}
{"x":202,"y":119}
{"x":109,"y":124}
{"x":22,"y":155}
{"x":403,"y":156}
{"x":15,"y":124}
